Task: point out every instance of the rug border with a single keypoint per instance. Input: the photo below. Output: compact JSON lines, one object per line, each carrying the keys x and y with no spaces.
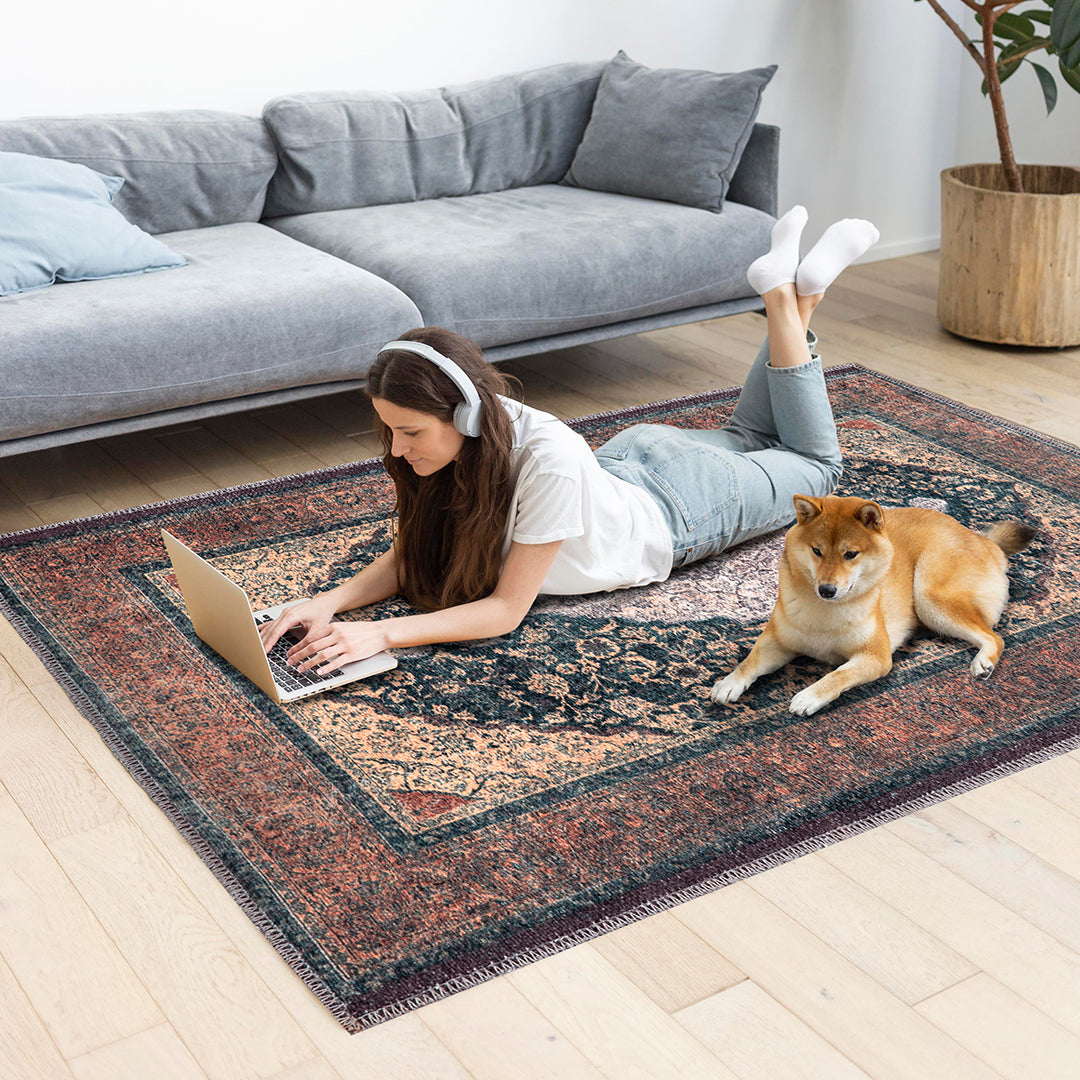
{"x":354,"y":1019}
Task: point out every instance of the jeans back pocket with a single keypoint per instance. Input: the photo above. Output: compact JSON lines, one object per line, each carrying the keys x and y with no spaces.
{"x":699,"y":481}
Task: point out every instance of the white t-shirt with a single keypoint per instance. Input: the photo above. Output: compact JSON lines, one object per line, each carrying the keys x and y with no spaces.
{"x":614,"y":535}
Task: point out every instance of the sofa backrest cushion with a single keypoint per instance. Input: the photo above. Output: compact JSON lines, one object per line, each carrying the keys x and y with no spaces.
{"x":369,"y":147}
{"x":183,"y":170}
{"x":668,"y":133}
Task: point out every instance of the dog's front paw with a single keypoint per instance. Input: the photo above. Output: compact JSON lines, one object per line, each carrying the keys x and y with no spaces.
{"x":807,"y":702}
{"x":728,"y":689}
{"x":982,"y":667}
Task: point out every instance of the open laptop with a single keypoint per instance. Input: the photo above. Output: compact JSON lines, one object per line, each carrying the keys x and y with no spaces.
{"x":222,"y":617}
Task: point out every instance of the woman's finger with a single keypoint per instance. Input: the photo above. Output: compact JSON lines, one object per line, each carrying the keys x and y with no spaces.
{"x":270,"y":632}
{"x":303,"y":656}
{"x":328,"y":658}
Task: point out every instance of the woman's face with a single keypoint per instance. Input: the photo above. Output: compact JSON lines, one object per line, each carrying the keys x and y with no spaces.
{"x":427,"y":443}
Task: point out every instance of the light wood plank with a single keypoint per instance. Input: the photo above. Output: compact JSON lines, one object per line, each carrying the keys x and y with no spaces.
{"x":891,"y":949}
{"x":667,"y":961}
{"x":1029,"y":820}
{"x":1004,"y":1030}
{"x":66,"y":508}
{"x":15,"y":515}
{"x":868,"y":1025}
{"x":614,"y":1024}
{"x":1056,"y":780}
{"x":145,"y":455}
{"x":206,"y":453}
{"x":1022,"y":882}
{"x":51,"y":782}
{"x":26,"y":1051}
{"x":496,"y":1033}
{"x":316,"y":1069}
{"x":202,"y":984}
{"x":1019,"y":955}
{"x":319,"y":430}
{"x":156,"y":1052}
{"x":41,"y":907}
{"x":761,"y":1040}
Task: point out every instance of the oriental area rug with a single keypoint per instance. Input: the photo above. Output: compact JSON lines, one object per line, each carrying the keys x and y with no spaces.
{"x":487,"y":804}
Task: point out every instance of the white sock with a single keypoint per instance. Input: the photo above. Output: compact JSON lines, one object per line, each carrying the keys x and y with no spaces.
{"x":840,"y":245}
{"x":778,"y":265}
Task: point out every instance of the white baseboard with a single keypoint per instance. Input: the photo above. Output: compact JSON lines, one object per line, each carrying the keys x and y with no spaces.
{"x":899,"y":249}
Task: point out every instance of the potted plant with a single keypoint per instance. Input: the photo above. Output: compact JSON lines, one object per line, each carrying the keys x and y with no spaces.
{"x":1010,"y":234}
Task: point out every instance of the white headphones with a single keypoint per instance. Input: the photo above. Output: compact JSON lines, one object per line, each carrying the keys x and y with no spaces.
{"x":467,"y":412}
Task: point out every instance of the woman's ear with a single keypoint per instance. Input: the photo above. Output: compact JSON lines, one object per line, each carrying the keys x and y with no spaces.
{"x":806,"y":508}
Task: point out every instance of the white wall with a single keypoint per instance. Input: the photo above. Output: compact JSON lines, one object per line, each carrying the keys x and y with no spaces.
{"x":868,"y":94}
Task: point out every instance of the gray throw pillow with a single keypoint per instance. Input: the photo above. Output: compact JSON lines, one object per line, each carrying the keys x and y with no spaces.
{"x":668,"y":133}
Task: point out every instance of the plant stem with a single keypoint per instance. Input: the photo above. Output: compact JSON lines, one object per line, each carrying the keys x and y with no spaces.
{"x":997,"y":102}
{"x":958,"y":31}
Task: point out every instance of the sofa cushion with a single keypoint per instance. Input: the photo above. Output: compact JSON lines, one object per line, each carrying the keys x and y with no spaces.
{"x":57,"y":221}
{"x":367,"y":147}
{"x":184,"y":169}
{"x":253,"y":311}
{"x":536,"y":261}
{"x":667,"y":133}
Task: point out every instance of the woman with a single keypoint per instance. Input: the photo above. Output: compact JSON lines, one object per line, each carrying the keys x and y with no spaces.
{"x":498,"y":502}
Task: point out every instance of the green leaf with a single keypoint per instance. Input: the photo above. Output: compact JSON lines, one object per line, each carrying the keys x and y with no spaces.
{"x":1049,"y":86}
{"x":1010,"y":51}
{"x":1065,"y":31}
{"x":1013,"y":26}
{"x":1039,"y":16}
{"x":1071,"y":76}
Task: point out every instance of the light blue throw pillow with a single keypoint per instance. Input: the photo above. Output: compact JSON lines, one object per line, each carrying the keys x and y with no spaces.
{"x":57,"y":223}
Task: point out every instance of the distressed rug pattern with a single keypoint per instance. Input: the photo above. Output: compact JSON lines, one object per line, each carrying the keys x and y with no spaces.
{"x":487,"y":804}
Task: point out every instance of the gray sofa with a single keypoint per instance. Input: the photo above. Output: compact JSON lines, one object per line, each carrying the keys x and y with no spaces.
{"x":334,"y":222}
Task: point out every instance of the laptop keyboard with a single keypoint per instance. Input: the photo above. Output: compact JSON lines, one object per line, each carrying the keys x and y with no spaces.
{"x":287,"y":677}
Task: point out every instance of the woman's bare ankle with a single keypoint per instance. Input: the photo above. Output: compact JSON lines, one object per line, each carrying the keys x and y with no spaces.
{"x":806,"y":307}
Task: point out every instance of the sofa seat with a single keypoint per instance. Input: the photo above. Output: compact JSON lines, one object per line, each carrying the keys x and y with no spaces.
{"x":532,"y":262}
{"x":254,"y":311}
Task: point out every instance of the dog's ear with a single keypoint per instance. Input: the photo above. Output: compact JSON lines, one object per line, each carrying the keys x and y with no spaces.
{"x":806,"y":508}
{"x":872,"y":516}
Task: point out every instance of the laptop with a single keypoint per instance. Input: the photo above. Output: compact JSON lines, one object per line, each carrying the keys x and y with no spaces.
{"x":222,"y":617}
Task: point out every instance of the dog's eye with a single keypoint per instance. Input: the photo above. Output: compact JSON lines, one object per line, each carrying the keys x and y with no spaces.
{"x":850,"y":554}
{"x":816,"y":551}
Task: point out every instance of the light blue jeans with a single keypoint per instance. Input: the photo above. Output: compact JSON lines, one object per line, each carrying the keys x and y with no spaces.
{"x":718,"y":488}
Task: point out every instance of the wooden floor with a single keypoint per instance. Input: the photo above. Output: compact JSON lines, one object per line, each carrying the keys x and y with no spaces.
{"x":944,"y":945}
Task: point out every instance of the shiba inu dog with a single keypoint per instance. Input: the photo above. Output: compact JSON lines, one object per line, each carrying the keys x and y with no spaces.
{"x":855,"y":581}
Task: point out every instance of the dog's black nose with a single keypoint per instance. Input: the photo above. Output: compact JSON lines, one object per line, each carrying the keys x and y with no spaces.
{"x":826,"y":591}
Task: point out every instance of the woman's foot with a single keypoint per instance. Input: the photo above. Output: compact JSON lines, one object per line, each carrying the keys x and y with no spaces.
{"x":840,"y":245}
{"x":779,"y":264}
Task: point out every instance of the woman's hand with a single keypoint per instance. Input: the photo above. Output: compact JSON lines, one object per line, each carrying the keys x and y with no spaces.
{"x":327,"y":648}
{"x":313,"y":615}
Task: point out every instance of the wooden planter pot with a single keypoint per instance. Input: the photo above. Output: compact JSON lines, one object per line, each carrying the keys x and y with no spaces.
{"x":1010,"y":264}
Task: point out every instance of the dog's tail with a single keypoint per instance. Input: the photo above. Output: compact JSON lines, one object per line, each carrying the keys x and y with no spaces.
{"x":1011,"y":536}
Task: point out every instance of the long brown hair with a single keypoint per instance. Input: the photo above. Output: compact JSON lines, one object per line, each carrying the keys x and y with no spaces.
{"x":450,"y":524}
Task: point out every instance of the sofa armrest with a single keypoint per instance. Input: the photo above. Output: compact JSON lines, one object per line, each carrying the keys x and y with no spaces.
{"x":756,"y":180}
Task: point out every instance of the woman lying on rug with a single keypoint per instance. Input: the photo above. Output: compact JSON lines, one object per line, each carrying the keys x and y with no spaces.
{"x":498,"y":502}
